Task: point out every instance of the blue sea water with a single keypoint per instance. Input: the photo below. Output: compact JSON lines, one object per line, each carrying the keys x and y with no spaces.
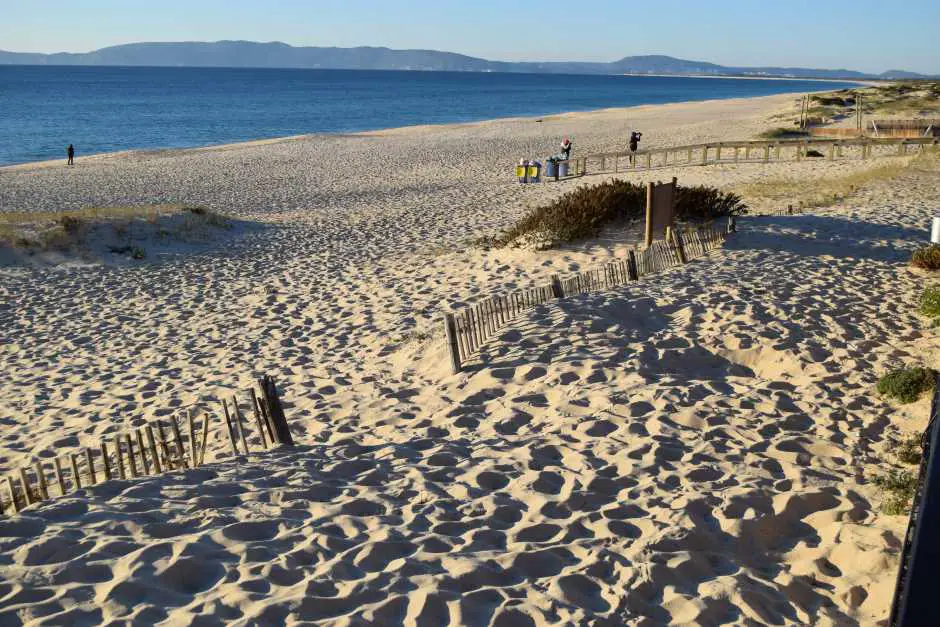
{"x":104,"y":109}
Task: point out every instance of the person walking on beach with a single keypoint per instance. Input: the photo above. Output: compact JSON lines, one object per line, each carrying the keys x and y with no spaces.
{"x":70,"y":151}
{"x":634,"y":142}
{"x":566,"y":148}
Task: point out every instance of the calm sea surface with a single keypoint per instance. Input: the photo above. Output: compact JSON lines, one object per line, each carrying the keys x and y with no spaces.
{"x":103,"y":109}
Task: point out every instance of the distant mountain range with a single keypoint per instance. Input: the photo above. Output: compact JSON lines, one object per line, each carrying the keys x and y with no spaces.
{"x":281,"y":55}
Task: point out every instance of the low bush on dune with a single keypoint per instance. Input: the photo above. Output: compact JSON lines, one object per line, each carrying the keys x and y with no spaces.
{"x":119,"y":230}
{"x":783,"y":133}
{"x":908,"y":450}
{"x":583,"y":212}
{"x":834,"y":101}
{"x":930,"y":302}
{"x":899,"y":487}
{"x":927,"y":257}
{"x":907,"y":385}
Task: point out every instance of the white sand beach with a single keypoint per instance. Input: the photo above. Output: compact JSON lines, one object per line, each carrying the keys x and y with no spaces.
{"x":693,"y":449}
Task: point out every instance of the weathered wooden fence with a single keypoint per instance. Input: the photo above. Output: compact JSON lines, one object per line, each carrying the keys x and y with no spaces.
{"x":467,"y":330}
{"x":742,"y":151}
{"x":911,"y":128}
{"x":152,"y":449}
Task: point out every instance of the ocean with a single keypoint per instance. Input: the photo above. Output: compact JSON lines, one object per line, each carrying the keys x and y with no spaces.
{"x":106,"y":109}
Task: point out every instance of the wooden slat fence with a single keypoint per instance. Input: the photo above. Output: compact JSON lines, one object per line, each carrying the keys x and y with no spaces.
{"x":161,"y":445}
{"x":467,"y":330}
{"x":741,"y":151}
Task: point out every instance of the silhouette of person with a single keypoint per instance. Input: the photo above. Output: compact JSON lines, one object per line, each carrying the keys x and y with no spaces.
{"x":70,"y":151}
{"x":634,"y":141}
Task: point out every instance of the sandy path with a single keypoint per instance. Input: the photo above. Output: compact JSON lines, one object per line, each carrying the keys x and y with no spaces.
{"x":690,"y":449}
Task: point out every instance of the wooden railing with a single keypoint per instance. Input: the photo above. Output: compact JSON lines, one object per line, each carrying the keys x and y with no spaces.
{"x":741,"y":151}
{"x":914,"y":601}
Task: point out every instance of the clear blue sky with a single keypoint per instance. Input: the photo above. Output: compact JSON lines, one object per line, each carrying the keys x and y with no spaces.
{"x":855,"y":34}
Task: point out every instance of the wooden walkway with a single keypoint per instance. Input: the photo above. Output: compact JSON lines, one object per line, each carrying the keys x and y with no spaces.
{"x":763,"y":151}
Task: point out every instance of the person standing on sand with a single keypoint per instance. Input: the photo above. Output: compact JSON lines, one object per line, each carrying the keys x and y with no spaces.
{"x":70,"y":151}
{"x":566,"y":148}
{"x":634,"y":142}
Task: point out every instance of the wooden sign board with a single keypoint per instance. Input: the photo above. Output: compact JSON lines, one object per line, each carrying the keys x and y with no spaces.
{"x":660,"y":209}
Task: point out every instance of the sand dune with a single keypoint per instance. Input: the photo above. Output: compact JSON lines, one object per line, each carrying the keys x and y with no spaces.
{"x":692,"y":449}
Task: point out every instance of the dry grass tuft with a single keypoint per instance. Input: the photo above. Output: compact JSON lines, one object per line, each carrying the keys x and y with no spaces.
{"x":927,"y":257}
{"x":899,"y":487}
{"x":66,"y":230}
{"x":831,"y":191}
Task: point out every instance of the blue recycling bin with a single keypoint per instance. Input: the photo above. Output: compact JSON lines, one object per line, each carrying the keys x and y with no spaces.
{"x":551,"y":167}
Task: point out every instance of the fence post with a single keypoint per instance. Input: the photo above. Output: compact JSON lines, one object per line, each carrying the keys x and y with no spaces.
{"x":131,"y":458}
{"x":632,"y":269}
{"x":557,"y":290}
{"x":141,"y":446}
{"x":269,"y":391}
{"x":90,"y":460}
{"x":16,"y":504}
{"x":28,"y":494}
{"x":228,"y":426}
{"x":41,"y":476}
{"x":704,"y":154}
{"x":152,"y":441}
{"x":450,"y":332}
{"x":76,"y":476}
{"x":58,"y":475}
{"x":680,"y":247}
{"x":650,"y":187}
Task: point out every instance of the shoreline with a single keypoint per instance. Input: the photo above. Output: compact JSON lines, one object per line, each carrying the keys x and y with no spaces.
{"x":859,"y":81}
{"x":391,"y":130}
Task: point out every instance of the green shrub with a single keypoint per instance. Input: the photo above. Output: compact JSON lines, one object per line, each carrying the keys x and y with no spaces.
{"x":909,"y":451}
{"x":833,"y":101}
{"x":783,"y":133}
{"x":705,"y":203}
{"x":930,"y":301}
{"x":899,"y":487}
{"x":138,"y":253}
{"x":927,"y":257}
{"x":583,"y":212}
{"x":907,"y":385}
{"x":71,"y":224}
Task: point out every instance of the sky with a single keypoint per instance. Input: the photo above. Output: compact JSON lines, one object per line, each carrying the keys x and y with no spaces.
{"x":866,"y":35}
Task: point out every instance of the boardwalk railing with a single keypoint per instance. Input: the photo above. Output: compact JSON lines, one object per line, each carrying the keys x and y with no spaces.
{"x":915,"y":601}
{"x":152,"y":449}
{"x":743,"y":151}
{"x":468,"y":329}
